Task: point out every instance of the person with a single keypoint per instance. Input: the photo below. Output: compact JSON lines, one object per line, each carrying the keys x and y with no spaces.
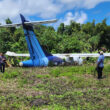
{"x":80,"y":61}
{"x":100,"y":65}
{"x":2,"y":62}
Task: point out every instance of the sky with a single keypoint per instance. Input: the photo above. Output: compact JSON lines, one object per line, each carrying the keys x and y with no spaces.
{"x":81,"y":11}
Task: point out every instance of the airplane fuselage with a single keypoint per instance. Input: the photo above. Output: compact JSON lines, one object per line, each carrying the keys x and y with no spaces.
{"x":45,"y":61}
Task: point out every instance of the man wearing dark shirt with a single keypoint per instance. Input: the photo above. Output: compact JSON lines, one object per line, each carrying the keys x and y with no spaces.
{"x":2,"y":62}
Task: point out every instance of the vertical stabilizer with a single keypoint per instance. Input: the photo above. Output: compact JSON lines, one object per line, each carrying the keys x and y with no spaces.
{"x":37,"y":54}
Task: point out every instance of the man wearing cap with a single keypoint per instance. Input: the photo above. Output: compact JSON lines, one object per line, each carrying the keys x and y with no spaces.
{"x":100,"y":64}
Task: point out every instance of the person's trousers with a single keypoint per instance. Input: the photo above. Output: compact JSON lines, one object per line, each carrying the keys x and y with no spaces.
{"x":99,"y":70}
{"x":2,"y":67}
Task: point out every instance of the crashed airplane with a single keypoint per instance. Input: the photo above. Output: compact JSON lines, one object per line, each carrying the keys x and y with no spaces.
{"x":38,"y":57}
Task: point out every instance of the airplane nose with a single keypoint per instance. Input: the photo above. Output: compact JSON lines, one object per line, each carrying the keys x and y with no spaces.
{"x":20,"y":64}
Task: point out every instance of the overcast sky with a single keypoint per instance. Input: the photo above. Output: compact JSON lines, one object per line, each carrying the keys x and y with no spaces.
{"x":80,"y":11}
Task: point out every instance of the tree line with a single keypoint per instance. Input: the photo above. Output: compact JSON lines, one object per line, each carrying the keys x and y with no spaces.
{"x":73,"y":38}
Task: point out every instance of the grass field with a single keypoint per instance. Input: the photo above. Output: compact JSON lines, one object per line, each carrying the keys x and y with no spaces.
{"x":55,"y":88}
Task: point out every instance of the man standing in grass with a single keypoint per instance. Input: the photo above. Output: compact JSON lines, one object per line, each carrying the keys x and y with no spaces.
{"x":100,"y":64}
{"x":2,"y":62}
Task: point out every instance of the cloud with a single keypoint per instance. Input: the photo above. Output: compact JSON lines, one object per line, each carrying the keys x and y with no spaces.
{"x":42,"y":8}
{"x":79,"y":17}
{"x":92,"y":3}
{"x":8,"y":8}
{"x":29,"y":7}
{"x":70,"y":4}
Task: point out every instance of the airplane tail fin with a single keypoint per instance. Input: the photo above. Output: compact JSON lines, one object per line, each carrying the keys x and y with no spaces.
{"x":23,"y":18}
{"x":35,"y":50}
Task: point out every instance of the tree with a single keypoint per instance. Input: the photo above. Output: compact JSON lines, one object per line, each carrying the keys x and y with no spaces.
{"x":11,"y":29}
{"x":88,"y":28}
{"x":61,"y":29}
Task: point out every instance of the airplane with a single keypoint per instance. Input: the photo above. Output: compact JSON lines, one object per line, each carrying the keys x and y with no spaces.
{"x":65,"y":55}
{"x":38,"y":56}
{"x":69,"y":57}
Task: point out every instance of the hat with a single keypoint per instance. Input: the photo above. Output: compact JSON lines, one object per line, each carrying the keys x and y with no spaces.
{"x":101,"y":52}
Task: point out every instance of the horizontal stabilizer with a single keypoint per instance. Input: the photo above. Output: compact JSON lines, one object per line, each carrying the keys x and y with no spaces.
{"x":11,"y":25}
{"x":33,"y":23}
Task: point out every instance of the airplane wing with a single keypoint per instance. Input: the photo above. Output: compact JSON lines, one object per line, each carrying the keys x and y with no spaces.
{"x":81,"y":55}
{"x":33,"y":23}
{"x":62,"y":55}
